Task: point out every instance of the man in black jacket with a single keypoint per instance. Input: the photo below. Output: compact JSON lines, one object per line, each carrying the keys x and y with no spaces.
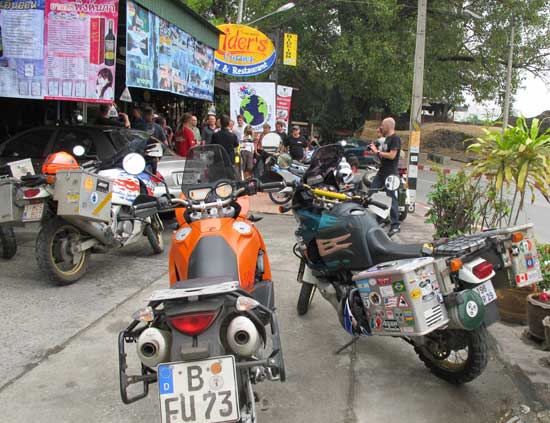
{"x":227,"y":139}
{"x":389,"y":159}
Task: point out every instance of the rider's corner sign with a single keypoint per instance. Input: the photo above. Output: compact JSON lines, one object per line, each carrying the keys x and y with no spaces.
{"x":243,"y":51}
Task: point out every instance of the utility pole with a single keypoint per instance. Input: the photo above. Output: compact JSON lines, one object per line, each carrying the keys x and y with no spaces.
{"x":507,"y":94}
{"x":240,"y":12}
{"x":416,"y":104}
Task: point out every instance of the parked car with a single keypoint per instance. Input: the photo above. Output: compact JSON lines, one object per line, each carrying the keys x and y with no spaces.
{"x":359,"y":149}
{"x":99,"y":142}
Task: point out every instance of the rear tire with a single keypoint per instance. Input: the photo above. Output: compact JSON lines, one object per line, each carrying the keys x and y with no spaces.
{"x":304,"y":298}
{"x":154,"y":236}
{"x":55,"y":252}
{"x":474,"y":342}
{"x":8,"y":243}
{"x":280,"y":199}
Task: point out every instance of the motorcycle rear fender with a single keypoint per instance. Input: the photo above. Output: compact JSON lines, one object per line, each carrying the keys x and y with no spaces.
{"x":466,"y":274}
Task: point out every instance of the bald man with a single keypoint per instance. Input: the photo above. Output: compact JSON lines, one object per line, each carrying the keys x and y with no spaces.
{"x":389,"y":159}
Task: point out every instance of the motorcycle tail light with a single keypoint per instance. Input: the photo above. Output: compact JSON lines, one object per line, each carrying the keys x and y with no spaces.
{"x":483,"y":270}
{"x":517,"y":236}
{"x":193,"y":324}
{"x":31,"y":192}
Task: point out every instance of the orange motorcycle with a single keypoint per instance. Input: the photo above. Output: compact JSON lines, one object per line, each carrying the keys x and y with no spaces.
{"x":213,"y":334}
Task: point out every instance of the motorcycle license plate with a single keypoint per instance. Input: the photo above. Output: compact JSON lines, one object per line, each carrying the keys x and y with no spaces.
{"x":486,"y":292}
{"x":33,"y":212}
{"x":199,"y":391}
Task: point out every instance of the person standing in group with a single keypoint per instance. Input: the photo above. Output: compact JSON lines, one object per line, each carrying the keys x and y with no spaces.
{"x":260,"y":154}
{"x":239,"y":129}
{"x":163,"y":124}
{"x":280,"y":130}
{"x":104,"y":119}
{"x":196,"y":130}
{"x":388,"y":153}
{"x":185,"y":139}
{"x":154,"y":128}
{"x":247,"y":152}
{"x":209,"y":129}
{"x":231,"y":126}
{"x":137,"y":119}
{"x":227,"y":139}
{"x":295,"y":144}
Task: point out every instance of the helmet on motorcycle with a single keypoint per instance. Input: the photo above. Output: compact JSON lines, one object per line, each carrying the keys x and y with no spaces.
{"x":154,"y":150}
{"x":344,"y":174}
{"x":284,"y":160}
{"x":58,"y":161}
{"x":352,"y":315}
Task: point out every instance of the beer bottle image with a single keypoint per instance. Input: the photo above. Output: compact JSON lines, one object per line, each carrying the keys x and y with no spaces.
{"x":110,"y":46}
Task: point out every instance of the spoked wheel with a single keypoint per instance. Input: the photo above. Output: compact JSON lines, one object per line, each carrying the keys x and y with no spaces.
{"x":8,"y":244}
{"x":153,"y":232}
{"x":457,"y":356}
{"x":304,"y":299}
{"x":280,"y":197}
{"x":58,"y":252}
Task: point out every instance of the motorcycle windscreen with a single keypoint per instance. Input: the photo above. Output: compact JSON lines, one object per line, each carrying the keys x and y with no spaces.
{"x":323,"y":163}
{"x":207,"y":164}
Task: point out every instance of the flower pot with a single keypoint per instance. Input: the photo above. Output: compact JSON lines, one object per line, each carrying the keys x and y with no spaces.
{"x":512,"y":304}
{"x":536,"y":312}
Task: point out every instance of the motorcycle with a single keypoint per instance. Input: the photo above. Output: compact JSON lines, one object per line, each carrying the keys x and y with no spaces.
{"x":206,"y":340}
{"x":290,"y":170}
{"x":438,"y":297}
{"x":91,"y":212}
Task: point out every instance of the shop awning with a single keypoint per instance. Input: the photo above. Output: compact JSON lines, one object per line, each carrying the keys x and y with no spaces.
{"x":176,"y":12}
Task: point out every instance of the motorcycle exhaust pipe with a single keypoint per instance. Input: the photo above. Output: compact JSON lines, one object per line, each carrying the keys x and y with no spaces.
{"x":153,"y":346}
{"x":94,"y":230}
{"x":243,"y":337}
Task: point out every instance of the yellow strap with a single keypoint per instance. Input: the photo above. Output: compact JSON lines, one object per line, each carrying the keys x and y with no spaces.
{"x":330,"y":194}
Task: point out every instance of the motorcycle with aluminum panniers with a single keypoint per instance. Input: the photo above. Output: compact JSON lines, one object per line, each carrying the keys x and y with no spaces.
{"x":213,"y":335}
{"x":437,"y":296}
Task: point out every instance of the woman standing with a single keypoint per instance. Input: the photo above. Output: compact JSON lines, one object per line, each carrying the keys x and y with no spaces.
{"x":184,"y":137}
{"x":247,"y":152}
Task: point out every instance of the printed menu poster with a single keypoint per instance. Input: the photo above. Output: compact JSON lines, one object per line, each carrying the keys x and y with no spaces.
{"x":161,"y":56}
{"x":22,"y":48}
{"x":80,"y":50}
{"x":284,"y":100}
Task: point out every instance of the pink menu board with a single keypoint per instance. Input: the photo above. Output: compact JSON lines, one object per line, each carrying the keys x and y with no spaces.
{"x":80,"y":50}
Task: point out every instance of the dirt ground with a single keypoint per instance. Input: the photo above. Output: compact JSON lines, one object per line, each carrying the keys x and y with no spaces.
{"x":450,"y":139}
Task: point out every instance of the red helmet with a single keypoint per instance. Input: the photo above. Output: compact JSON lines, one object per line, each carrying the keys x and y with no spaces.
{"x":58,"y":161}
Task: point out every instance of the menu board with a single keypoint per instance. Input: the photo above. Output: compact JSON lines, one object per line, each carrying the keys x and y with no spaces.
{"x":80,"y":50}
{"x":161,"y":56}
{"x":22,"y":48}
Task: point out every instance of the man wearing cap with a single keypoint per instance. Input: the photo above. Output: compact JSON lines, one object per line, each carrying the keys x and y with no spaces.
{"x":295,"y":144}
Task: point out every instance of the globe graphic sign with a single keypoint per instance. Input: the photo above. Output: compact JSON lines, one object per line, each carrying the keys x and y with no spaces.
{"x":254,"y":110}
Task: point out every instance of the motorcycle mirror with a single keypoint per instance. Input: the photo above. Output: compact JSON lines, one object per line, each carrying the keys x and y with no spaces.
{"x":392,"y":182}
{"x":133,"y":164}
{"x":78,"y":150}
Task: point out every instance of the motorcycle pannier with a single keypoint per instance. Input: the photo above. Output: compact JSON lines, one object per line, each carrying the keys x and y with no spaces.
{"x":9,"y":212}
{"x":402,"y":297}
{"x":83,"y":194}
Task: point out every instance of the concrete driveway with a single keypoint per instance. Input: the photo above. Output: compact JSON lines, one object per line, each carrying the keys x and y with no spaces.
{"x":59,"y":355}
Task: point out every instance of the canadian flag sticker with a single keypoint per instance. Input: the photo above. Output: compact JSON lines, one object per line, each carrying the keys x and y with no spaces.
{"x":522,"y":277}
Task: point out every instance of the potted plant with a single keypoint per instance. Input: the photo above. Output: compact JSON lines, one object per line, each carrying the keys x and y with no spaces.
{"x":538,"y":305}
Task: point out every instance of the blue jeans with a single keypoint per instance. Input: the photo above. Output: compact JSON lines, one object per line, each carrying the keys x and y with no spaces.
{"x":378,"y":182}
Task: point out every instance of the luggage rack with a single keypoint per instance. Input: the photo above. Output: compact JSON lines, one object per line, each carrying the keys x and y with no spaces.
{"x":461,"y":245}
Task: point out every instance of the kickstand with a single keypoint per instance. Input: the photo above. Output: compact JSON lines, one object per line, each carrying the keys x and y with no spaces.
{"x":349,"y":344}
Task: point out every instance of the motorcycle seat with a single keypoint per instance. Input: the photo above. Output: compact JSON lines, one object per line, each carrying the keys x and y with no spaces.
{"x":383,"y":249}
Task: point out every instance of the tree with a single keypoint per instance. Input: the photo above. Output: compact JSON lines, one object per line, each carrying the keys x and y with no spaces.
{"x":358,"y":56}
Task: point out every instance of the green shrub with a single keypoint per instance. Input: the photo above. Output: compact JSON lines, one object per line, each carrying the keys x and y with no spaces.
{"x":544,"y":257}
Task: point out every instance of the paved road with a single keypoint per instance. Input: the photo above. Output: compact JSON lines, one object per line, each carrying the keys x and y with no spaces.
{"x":59,"y":356}
{"x":536,"y":213}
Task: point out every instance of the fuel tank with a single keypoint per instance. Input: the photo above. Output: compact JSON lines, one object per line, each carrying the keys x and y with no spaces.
{"x":219,"y":247}
{"x":336,"y":239}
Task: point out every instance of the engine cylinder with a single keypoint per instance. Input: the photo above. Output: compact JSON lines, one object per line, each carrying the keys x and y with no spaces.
{"x":153,"y":346}
{"x":243,"y":337}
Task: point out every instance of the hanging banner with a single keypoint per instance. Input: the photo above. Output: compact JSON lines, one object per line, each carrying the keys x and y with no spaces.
{"x":80,"y":50}
{"x":290,"y":56}
{"x":255,"y":101}
{"x":284,"y":100}
{"x":22,"y":48}
{"x":244,"y":51}
{"x":161,"y":56}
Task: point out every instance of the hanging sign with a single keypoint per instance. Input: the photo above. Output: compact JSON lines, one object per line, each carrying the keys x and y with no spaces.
{"x":290,"y":57}
{"x":254,"y":101}
{"x":284,"y":100}
{"x":244,"y":51}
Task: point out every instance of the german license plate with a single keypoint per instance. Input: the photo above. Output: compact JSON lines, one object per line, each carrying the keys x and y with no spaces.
{"x":33,"y":212}
{"x":486,"y":292}
{"x":199,"y":391}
